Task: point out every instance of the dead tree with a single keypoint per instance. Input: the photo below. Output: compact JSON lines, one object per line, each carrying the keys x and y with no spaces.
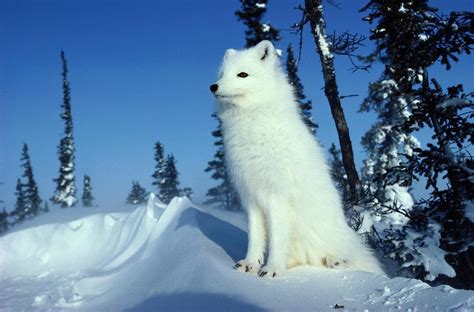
{"x":314,"y":14}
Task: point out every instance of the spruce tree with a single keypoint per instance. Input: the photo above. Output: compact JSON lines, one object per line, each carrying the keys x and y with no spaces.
{"x":305,"y":105}
{"x":138,"y":195}
{"x":170,"y":187}
{"x":21,"y":209}
{"x":158,"y":175}
{"x":223,"y":195}
{"x":87,"y":198}
{"x":65,"y":193}
{"x":438,"y":223}
{"x":251,"y":14}
{"x":32,"y":198}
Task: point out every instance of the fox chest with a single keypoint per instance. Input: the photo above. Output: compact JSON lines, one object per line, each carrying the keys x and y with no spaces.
{"x":258,"y":156}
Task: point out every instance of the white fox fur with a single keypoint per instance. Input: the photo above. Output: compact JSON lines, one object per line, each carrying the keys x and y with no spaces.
{"x":279,"y":171}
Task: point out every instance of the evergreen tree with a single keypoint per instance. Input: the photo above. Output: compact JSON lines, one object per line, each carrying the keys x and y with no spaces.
{"x":251,"y":13}
{"x":137,"y":195}
{"x":32,"y":198}
{"x":158,"y":175}
{"x":21,"y":209}
{"x":305,"y":105}
{"x":387,"y":145}
{"x":3,"y":221}
{"x":87,"y":198}
{"x":449,"y":115}
{"x":391,"y":97}
{"x":223,"y":195}
{"x":170,"y":186}
{"x":437,"y":241}
{"x":65,"y":193}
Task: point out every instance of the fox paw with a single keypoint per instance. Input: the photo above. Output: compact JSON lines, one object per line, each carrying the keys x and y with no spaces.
{"x":335,"y":263}
{"x":247,"y":266}
{"x":269,"y":272}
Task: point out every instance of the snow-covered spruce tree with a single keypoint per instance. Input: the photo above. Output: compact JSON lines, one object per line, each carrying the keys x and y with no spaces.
{"x":87,"y":198}
{"x":449,"y":170}
{"x":137,"y":195}
{"x":32,"y":198}
{"x":223,"y":195}
{"x":170,"y":187}
{"x":386,"y":188}
{"x":251,"y":14}
{"x":437,"y":242}
{"x":315,"y":15}
{"x":65,"y":193}
{"x":391,"y":98}
{"x":305,"y":105}
{"x":158,"y":174}
{"x":21,"y":210}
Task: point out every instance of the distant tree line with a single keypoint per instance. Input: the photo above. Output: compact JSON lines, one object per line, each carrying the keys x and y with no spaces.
{"x":28,"y":202}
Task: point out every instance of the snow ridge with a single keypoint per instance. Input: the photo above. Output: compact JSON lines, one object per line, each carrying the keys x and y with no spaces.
{"x":179,"y":257}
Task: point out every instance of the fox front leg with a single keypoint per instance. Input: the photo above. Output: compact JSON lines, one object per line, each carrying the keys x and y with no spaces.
{"x":278,"y":235}
{"x":256,"y":243}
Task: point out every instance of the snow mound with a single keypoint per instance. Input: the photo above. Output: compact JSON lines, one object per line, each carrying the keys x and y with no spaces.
{"x":180,"y":257}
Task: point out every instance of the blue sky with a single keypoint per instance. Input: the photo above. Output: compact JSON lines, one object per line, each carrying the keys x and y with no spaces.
{"x":140,"y":72}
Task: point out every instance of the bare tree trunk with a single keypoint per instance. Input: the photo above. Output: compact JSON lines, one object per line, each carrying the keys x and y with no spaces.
{"x":314,"y":13}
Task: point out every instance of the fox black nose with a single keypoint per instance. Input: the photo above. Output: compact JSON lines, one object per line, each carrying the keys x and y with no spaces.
{"x":214,"y":87}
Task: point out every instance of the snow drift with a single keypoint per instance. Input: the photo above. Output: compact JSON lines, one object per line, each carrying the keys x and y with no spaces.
{"x":178,"y":257}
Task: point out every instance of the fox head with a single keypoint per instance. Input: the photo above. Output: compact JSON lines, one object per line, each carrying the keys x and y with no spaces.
{"x":247,"y":77}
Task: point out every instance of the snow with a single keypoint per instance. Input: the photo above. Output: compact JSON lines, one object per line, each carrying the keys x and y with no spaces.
{"x":455,"y":102}
{"x":322,"y":43}
{"x":265,"y":27}
{"x":403,"y":199}
{"x":402,"y":9}
{"x":423,"y":37}
{"x":429,"y":254}
{"x":178,"y":257}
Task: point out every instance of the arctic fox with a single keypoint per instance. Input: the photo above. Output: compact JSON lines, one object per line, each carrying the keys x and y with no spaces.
{"x":279,"y":171}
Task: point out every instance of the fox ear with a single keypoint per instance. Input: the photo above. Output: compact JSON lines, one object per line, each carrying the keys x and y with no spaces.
{"x":265,"y":50}
{"x":229,"y":53}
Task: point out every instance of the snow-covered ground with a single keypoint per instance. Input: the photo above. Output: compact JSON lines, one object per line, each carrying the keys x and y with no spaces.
{"x":179,"y":257}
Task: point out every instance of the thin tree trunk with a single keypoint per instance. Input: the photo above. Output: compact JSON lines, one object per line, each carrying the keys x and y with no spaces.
{"x":314,"y":13}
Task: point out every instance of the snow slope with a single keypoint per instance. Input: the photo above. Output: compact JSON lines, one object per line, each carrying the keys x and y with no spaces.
{"x":179,"y":257}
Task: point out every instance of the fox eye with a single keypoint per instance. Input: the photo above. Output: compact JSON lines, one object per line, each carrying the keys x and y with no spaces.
{"x":242,"y":75}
